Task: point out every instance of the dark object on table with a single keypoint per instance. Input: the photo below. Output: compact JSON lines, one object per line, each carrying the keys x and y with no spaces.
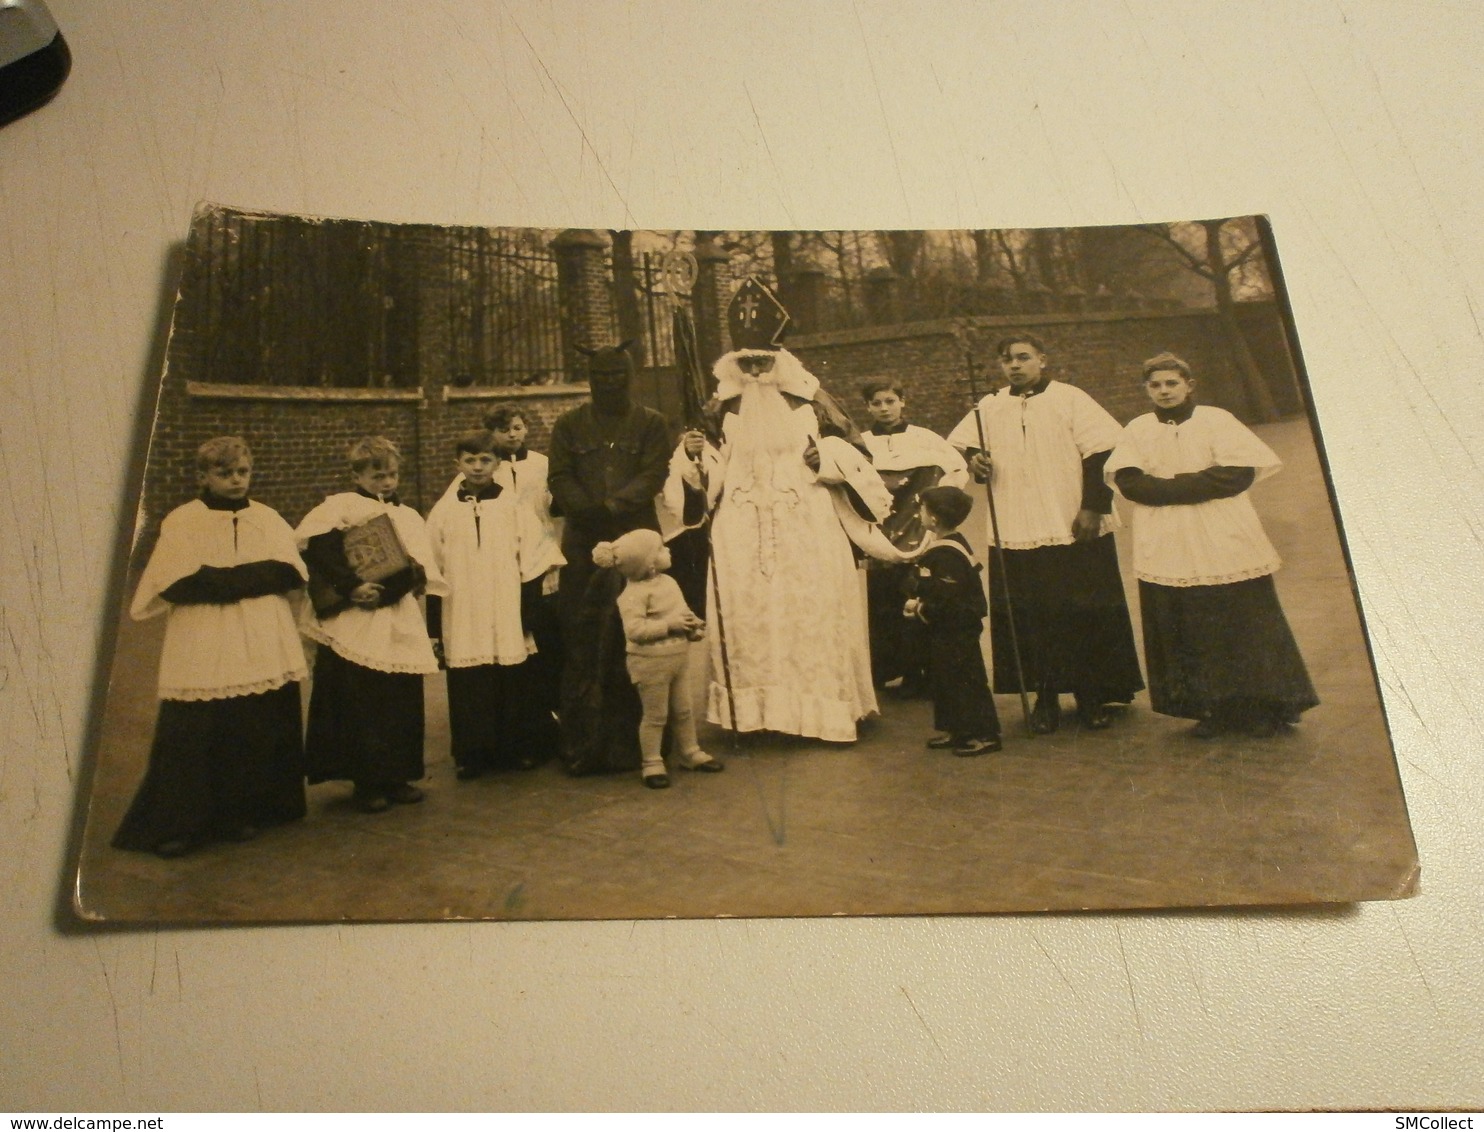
{"x":34,"y":58}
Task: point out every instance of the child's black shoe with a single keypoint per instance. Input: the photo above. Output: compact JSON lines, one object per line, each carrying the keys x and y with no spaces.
{"x":941,"y":742}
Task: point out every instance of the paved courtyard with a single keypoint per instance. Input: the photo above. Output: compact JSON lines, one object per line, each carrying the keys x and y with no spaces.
{"x":1138,"y":816}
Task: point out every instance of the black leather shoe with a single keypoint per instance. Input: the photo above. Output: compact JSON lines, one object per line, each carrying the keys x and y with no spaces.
{"x":370,"y":802}
{"x":468,"y":773}
{"x":657,"y":781}
{"x":710,"y":766}
{"x":403,"y":794}
{"x":175,"y":847}
{"x":942,"y":743}
{"x":1095,"y":718}
{"x":1207,"y":729}
{"x":1046,"y":715}
{"x":974,"y":747}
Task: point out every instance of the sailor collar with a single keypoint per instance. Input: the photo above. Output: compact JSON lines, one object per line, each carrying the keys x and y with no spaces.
{"x":957,"y":542}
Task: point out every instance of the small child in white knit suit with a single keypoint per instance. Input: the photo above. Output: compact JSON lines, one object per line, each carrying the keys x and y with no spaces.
{"x":659,"y":627}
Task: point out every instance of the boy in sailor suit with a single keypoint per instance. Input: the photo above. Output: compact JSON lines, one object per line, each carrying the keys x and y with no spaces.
{"x":950,"y":604}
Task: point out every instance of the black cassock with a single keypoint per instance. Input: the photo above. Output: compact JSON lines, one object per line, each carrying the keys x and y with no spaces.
{"x":218,"y":765}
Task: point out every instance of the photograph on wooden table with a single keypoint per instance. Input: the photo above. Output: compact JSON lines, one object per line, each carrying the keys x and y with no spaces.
{"x":510,"y":573}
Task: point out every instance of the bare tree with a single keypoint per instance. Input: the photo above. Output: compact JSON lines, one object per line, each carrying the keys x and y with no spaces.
{"x":1222,"y":250}
{"x":902,"y":249}
{"x":986,"y":263}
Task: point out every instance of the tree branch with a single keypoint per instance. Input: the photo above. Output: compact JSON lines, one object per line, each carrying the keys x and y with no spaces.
{"x":1194,"y":262}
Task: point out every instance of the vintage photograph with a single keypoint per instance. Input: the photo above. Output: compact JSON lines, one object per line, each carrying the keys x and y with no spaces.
{"x":508,"y":573}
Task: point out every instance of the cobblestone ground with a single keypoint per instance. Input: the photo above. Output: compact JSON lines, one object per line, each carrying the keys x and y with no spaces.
{"x":1139,"y":816}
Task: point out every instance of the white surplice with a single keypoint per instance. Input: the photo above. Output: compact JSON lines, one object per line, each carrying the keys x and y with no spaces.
{"x":393,"y":638}
{"x":1200,"y":544}
{"x":238,"y":648}
{"x":1037,"y":445}
{"x":475,"y":542}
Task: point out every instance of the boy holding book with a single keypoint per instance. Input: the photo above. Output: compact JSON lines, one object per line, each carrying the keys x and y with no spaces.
{"x":366,"y":706}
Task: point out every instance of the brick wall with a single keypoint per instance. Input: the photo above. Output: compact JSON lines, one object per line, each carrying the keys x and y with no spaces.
{"x":299,"y":437}
{"x":1101,"y":353}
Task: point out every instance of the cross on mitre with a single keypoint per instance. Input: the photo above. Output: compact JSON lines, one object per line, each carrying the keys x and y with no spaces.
{"x":756,"y":318}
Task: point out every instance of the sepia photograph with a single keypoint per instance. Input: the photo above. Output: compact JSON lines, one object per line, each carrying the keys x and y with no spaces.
{"x":513,"y":573}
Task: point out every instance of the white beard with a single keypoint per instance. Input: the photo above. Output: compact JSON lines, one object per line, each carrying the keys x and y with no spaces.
{"x":768,"y":443}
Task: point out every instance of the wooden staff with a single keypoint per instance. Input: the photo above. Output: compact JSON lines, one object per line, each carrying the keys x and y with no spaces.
{"x":999,"y":547}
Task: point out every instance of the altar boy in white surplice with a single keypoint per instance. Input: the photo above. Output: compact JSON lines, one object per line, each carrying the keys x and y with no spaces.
{"x":227,"y":756}
{"x":366,"y":707}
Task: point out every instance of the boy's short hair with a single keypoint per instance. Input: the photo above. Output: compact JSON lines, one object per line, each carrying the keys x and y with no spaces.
{"x":222,"y":452}
{"x":1002,"y":347}
{"x":372,"y":452}
{"x":871,"y":388}
{"x":949,"y":505}
{"x":474,"y":442}
{"x":1166,"y":360}
{"x":501,"y":416}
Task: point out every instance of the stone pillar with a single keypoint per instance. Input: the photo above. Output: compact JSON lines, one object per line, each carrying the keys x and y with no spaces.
{"x":709,"y":298}
{"x":584,"y":297}
{"x":425,"y":472}
{"x":881,"y":296}
{"x":806,"y":304}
